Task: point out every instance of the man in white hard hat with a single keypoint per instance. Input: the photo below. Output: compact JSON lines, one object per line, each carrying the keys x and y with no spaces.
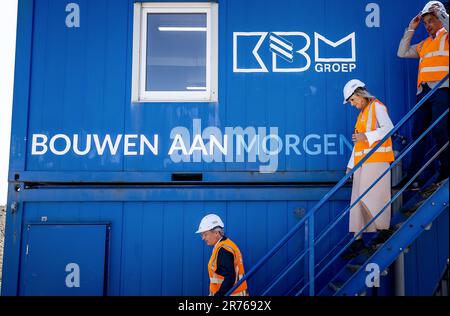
{"x":433,"y":66}
{"x":226,"y":266}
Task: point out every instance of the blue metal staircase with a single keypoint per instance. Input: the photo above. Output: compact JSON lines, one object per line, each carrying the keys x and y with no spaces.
{"x":352,"y":279}
{"x":406,"y":226}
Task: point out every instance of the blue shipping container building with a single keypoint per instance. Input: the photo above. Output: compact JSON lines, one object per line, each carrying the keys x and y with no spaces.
{"x":134,"y":119}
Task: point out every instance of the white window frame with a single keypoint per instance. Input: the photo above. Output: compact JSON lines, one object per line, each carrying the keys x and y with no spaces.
{"x":139,"y":94}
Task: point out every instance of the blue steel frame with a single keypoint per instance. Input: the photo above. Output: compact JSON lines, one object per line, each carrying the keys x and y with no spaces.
{"x":309,"y":218}
{"x":332,"y":225}
{"x":390,"y":202}
{"x":165,"y":177}
{"x":433,"y":206}
{"x":21,"y":92}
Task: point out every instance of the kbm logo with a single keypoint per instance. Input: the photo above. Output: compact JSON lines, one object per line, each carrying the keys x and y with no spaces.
{"x":289,"y":51}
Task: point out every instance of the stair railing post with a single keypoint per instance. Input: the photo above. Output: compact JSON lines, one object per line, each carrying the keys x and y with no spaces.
{"x":311,"y":254}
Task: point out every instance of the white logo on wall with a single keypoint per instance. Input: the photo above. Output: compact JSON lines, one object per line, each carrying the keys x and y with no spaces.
{"x":373,"y":18}
{"x":373,"y":278}
{"x":73,"y":278}
{"x":294,"y":56}
{"x":73,"y":18}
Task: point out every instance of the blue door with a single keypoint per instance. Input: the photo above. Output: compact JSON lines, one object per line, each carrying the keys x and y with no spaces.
{"x":64,"y":259}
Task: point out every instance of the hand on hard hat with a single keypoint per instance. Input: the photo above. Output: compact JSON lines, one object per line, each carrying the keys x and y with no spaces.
{"x":415,"y":22}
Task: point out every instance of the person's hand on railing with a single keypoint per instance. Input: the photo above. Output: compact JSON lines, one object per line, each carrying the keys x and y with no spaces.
{"x":347,"y":171}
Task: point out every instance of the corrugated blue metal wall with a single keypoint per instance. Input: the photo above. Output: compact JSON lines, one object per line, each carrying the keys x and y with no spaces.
{"x":78,"y":81}
{"x":153,"y":246}
{"x":81,"y":84}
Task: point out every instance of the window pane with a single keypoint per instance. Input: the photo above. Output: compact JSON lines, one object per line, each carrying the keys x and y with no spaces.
{"x":176,"y":52}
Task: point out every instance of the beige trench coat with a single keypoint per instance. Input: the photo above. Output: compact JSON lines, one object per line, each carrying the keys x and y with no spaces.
{"x":372,"y":203}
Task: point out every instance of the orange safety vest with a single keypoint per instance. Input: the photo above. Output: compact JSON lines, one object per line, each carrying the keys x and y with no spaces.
{"x":367,"y":121}
{"x":433,"y":54}
{"x":216,"y":279}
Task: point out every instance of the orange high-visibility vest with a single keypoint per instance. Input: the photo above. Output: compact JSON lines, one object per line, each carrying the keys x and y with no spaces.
{"x":216,"y":279}
{"x":433,"y":54}
{"x":367,"y":121}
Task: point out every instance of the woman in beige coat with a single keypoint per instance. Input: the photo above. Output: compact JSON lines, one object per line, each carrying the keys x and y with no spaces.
{"x":372,"y":125}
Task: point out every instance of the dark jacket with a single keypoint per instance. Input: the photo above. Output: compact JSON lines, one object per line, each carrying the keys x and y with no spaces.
{"x":225,"y":268}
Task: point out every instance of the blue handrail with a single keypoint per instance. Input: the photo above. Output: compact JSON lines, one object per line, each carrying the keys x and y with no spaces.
{"x":327,"y":196}
{"x":383,"y":209}
{"x":345,"y":212}
{"x":394,"y":163}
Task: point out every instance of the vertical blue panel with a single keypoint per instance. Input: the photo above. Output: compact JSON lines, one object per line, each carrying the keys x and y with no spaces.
{"x":411,"y":268}
{"x":237,"y":223}
{"x":79,"y":75}
{"x":256,"y":234}
{"x":132,"y":244}
{"x":441,"y":225}
{"x":296,"y":245}
{"x":172,"y":272}
{"x":339,"y":231}
{"x":427,"y":259}
{"x":276,"y":229}
{"x":152,"y":243}
{"x":193,"y":249}
{"x":322,"y":218}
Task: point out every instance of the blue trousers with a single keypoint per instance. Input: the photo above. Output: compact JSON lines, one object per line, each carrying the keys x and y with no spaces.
{"x":423,"y":118}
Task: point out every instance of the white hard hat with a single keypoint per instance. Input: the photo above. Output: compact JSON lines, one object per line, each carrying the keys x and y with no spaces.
{"x":426,"y":8}
{"x":209,"y":222}
{"x":350,"y":88}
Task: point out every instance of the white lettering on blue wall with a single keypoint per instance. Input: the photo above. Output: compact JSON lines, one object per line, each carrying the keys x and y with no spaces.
{"x":282,"y":48}
{"x":261,"y":145}
{"x":373,"y":18}
{"x":73,"y":18}
{"x":73,"y":278}
{"x":373,"y":277}
{"x":61,"y":144}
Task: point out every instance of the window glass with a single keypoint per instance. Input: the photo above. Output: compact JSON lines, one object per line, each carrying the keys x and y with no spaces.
{"x":176,"y":52}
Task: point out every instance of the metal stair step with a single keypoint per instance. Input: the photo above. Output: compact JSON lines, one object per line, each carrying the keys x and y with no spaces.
{"x":416,"y":196}
{"x":427,"y":192}
{"x":353,"y":267}
{"x":409,"y":211}
{"x":335,"y":285}
{"x":409,"y":231}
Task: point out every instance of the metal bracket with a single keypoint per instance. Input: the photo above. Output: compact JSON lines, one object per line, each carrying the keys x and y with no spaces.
{"x":299,"y":212}
{"x":14,"y":207}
